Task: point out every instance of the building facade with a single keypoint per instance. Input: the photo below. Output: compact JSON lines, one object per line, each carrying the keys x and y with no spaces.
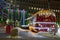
{"x":36,"y":5}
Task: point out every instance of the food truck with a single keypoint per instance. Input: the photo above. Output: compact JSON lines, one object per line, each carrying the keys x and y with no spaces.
{"x":44,"y":21}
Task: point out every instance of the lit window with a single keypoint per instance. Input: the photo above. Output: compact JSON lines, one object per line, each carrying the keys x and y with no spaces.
{"x":34,"y":8}
{"x":31,"y":7}
{"x":37,"y":9}
{"x":58,"y":10}
{"x":54,"y":10}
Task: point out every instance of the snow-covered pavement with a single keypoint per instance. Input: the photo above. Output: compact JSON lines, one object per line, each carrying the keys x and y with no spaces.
{"x":26,"y":33}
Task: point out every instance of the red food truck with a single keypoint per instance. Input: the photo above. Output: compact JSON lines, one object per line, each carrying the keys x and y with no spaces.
{"x":44,"y":21}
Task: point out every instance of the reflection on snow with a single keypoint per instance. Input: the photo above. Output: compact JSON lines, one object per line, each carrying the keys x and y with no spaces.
{"x":58,"y":32}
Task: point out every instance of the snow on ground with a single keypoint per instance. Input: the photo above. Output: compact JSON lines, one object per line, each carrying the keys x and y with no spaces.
{"x":26,"y":34}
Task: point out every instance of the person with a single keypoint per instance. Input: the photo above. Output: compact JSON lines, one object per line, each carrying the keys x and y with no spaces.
{"x":8,"y":29}
{"x":55,"y":30}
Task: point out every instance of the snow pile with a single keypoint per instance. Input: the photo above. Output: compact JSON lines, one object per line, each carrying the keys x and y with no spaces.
{"x":26,"y":34}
